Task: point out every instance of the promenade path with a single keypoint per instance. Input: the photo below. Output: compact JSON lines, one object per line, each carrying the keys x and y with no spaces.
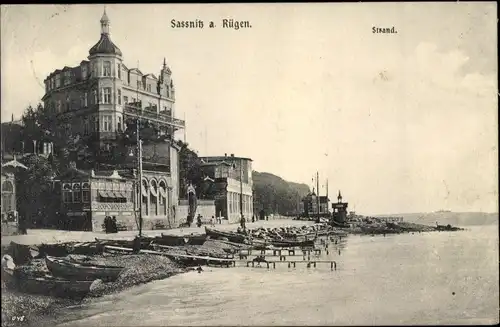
{"x":50,"y":236}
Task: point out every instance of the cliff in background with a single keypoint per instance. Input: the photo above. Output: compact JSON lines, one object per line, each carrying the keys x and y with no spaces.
{"x":452,"y":218}
{"x":275,"y":195}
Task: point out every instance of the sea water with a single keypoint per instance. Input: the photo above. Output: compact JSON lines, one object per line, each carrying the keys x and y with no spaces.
{"x":420,"y":278}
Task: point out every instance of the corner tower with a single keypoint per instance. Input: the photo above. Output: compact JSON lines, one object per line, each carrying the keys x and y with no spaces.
{"x":106,"y":73}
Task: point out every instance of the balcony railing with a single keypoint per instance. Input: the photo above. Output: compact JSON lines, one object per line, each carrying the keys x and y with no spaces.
{"x":131,"y":110}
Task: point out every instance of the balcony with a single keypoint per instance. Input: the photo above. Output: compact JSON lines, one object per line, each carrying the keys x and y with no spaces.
{"x":131,"y":110}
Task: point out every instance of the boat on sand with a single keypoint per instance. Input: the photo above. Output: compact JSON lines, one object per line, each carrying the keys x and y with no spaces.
{"x":81,"y":270}
{"x":47,"y":284}
{"x":232,"y":237}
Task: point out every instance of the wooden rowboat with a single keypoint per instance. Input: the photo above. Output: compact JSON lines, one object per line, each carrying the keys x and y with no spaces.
{"x":47,"y":285}
{"x":282,"y":243}
{"x":174,"y":240}
{"x":81,"y":271}
{"x":232,"y":237}
{"x":145,"y":241}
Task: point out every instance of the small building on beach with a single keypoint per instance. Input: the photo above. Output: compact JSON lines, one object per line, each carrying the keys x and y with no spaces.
{"x":8,"y":182}
{"x":87,"y":197}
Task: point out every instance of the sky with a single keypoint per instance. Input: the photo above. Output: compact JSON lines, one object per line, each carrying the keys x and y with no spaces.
{"x":400,"y":123}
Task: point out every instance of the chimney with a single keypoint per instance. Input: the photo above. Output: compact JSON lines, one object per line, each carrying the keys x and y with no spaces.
{"x":232,"y":155}
{"x":225,"y":154}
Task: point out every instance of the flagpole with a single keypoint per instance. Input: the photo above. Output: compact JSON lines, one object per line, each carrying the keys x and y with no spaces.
{"x":317,"y":192}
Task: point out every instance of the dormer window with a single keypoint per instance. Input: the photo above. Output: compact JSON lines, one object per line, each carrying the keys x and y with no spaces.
{"x":149,"y":87}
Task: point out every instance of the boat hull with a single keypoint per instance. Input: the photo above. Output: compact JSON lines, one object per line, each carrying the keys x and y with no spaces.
{"x":81,"y":271}
{"x":48,"y":285}
{"x":125,"y":243}
{"x":172,"y":240}
{"x":232,"y":237}
{"x":282,"y":244}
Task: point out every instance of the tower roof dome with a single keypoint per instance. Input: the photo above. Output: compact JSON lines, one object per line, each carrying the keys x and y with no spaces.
{"x":105,"y":45}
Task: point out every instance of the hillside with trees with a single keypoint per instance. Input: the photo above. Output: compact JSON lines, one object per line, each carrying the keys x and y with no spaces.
{"x":276,"y":195}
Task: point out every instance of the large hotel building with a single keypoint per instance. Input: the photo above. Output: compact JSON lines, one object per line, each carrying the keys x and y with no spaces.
{"x":96,"y":101}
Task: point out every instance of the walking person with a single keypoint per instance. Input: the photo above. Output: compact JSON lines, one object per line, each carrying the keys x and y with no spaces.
{"x":242,"y":222}
{"x":212,"y":221}
{"x":106,"y":224}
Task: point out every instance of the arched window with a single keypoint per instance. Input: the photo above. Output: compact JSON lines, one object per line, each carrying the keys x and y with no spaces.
{"x":67,"y":190}
{"x":145,"y":196}
{"x":154,"y":196}
{"x":154,"y":188}
{"x":163,"y":192}
{"x":77,"y":194}
{"x":86,"y":192}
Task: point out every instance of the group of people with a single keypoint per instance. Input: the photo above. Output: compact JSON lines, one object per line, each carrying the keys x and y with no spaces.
{"x":110,"y":225}
{"x":213,"y":220}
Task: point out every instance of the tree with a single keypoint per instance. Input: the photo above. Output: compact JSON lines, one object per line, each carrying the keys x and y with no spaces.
{"x":275,"y":195}
{"x":35,"y":196}
{"x":190,"y":171}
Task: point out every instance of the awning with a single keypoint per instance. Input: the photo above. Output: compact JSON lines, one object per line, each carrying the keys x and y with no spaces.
{"x":111,"y":194}
{"x":119,"y":194}
{"x":103,"y":194}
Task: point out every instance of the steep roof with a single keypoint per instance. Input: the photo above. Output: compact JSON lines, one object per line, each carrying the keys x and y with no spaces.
{"x":105,"y":46}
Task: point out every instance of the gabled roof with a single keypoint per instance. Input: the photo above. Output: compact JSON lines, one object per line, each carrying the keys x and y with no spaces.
{"x":152,"y":76}
{"x":135,"y":70}
{"x":14,"y":164}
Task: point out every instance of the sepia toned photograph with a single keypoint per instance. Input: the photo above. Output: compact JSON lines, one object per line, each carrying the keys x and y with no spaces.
{"x":280,"y":164}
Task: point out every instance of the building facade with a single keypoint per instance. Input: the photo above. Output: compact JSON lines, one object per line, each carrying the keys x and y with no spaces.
{"x":89,"y":196}
{"x":309,"y":205}
{"x":8,"y":201}
{"x":102,"y":98}
{"x":233,"y":179}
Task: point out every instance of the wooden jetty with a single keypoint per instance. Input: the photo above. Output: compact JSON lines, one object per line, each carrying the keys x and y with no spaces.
{"x":333,"y":264}
{"x":228,"y":262}
{"x":244,"y":253}
{"x":225,"y":261}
